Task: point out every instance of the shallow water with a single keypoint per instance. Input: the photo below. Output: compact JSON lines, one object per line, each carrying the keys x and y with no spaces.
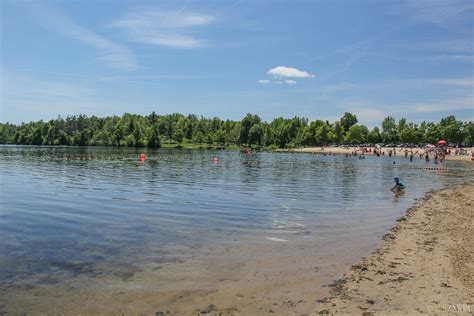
{"x":67,"y":213}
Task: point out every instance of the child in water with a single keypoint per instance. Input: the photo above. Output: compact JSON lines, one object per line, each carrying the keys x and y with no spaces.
{"x":399,"y":186}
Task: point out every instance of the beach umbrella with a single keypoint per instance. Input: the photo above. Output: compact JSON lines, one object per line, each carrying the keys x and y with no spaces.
{"x":442,"y":142}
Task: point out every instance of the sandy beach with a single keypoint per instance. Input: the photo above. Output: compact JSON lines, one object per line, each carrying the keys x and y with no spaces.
{"x":425,"y":264}
{"x":348,"y":151}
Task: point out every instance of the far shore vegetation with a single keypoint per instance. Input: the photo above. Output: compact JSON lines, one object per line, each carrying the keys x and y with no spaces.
{"x":192,"y":131}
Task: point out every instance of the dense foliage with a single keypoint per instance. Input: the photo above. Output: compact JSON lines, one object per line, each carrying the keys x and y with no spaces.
{"x":153,"y":130}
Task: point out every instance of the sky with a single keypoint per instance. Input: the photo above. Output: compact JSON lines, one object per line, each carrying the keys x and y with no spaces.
{"x":317,"y":59}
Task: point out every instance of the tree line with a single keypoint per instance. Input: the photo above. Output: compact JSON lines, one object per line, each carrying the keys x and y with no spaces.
{"x":153,"y":130}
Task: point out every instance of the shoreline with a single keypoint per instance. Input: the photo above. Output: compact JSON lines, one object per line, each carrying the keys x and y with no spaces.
{"x":350,"y":150}
{"x":424,"y":264}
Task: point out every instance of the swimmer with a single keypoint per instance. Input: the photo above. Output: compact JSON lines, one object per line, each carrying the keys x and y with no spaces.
{"x":399,"y":186}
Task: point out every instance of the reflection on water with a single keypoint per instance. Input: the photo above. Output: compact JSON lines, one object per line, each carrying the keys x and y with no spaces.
{"x":66,"y":212}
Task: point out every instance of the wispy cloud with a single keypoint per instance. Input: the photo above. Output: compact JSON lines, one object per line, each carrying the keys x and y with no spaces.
{"x":266,"y":81}
{"x":441,"y":12}
{"x":468,"y":58}
{"x":163,"y":27}
{"x":445,"y":105}
{"x":148,"y":78}
{"x":459,"y":45}
{"x":282,"y":71}
{"x":25,"y":97}
{"x":464,"y":82}
{"x":111,"y":53}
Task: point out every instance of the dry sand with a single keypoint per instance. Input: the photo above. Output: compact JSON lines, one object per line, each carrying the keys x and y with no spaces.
{"x":425,"y":264}
{"x":342,"y":151}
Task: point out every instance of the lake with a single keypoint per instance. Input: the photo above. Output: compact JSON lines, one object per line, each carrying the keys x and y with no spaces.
{"x":180,"y":232}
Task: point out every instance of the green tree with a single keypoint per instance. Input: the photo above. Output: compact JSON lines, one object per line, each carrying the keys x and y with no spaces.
{"x":118,"y":135}
{"x":432,"y":134}
{"x":178,"y":136}
{"x":469,"y":131}
{"x":245,"y":125}
{"x":348,"y":120}
{"x":452,"y":130}
{"x":389,"y":130}
{"x":138,"y":135}
{"x":338,"y":132}
{"x":374,"y":136}
{"x":255,"y":135}
{"x":322,"y":134}
{"x":154,"y":139}
{"x":357,"y":134}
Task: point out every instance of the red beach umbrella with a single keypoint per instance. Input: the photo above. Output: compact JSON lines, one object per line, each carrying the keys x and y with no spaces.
{"x":442,"y":142}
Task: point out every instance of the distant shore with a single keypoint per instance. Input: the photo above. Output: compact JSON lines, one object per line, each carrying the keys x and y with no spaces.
{"x":348,"y":151}
{"x":425,"y":264}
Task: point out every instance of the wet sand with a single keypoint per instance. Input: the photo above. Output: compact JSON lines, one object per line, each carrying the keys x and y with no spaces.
{"x":343,"y":151}
{"x":425,"y":264}
{"x":283,"y":280}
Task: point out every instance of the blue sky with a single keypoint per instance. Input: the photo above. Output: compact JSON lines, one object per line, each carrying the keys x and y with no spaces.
{"x":318,"y":59}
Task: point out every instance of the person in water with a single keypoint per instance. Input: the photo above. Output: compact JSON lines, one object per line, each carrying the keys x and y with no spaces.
{"x":399,"y":186}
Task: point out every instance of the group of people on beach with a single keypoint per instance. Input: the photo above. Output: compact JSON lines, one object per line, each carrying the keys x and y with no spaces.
{"x":428,"y":154}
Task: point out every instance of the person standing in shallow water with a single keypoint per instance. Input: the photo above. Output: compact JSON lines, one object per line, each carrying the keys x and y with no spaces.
{"x":399,"y":186}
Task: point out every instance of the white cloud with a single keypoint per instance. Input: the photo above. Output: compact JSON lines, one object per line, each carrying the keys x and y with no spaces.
{"x":282,"y":71}
{"x":163,"y":28}
{"x":264,"y":81}
{"x":290,"y":82}
{"x":112,"y":54}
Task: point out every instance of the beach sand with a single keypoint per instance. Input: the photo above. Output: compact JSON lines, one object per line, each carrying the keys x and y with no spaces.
{"x":425,"y":264}
{"x":342,"y":151}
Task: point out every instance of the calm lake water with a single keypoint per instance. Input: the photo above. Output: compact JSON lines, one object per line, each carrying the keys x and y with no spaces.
{"x":70,"y":212}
